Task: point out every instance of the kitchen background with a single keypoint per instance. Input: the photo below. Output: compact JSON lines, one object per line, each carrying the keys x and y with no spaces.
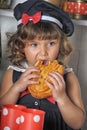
{"x":78,"y":40}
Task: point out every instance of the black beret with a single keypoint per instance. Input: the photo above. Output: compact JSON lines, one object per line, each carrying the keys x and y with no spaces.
{"x":47,"y":12}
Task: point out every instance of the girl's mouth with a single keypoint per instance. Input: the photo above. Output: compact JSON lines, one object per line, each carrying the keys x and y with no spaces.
{"x":45,"y":62}
{"x":42,"y":62}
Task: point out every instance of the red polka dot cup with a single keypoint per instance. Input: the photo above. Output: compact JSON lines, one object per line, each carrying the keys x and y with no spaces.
{"x":10,"y":116}
{"x":32,"y":119}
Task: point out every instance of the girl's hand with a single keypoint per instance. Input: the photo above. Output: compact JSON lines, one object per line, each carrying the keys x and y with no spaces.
{"x":57,"y":85}
{"x":26,"y":78}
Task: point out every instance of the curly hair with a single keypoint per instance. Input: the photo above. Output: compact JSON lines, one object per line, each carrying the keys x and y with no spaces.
{"x":42,"y":31}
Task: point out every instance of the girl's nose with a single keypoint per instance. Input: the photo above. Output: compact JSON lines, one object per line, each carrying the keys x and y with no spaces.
{"x":43,"y":51}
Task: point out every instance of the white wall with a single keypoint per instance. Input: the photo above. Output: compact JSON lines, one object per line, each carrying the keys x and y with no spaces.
{"x":79,"y":61}
{"x":8,"y":24}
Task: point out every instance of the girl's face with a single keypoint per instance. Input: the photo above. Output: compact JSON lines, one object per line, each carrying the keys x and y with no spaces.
{"x":45,"y":50}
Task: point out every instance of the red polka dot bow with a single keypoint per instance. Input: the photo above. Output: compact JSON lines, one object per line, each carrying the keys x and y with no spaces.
{"x":35,"y":18}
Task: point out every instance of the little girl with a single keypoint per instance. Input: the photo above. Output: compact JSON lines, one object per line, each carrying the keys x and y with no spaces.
{"x":42,"y":35}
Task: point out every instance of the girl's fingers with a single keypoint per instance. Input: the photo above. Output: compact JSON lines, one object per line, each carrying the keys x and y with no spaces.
{"x":33,"y":76}
{"x":30,"y":70}
{"x":53,"y":80}
{"x":59,"y":78}
{"x":49,"y":84}
{"x":31,"y":82}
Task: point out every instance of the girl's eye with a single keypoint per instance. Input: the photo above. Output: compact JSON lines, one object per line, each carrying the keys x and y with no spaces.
{"x":51,"y":43}
{"x":33,"y":44}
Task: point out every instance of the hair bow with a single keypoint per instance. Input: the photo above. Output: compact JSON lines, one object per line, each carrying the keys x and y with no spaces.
{"x":35,"y":18}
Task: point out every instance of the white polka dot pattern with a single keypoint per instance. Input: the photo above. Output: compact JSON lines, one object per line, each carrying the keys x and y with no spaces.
{"x":21,"y":117}
{"x":36,"y":118}
{"x":7,"y":128}
{"x":18,"y":120}
{"x":5,"y":111}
